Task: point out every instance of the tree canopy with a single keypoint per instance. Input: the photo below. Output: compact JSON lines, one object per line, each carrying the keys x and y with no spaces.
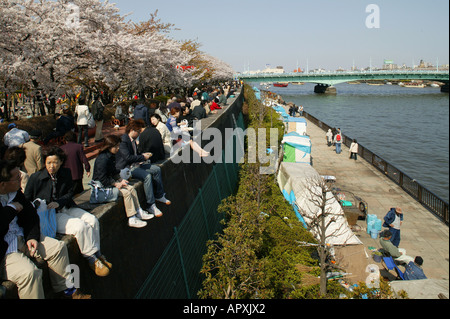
{"x":58,"y":46}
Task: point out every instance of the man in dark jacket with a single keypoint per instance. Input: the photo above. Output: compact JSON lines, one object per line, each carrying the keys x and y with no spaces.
{"x":21,"y":241}
{"x":149,"y":174}
{"x":393,"y":220}
{"x":150,"y":140}
{"x":199,"y":111}
{"x":141,"y":113}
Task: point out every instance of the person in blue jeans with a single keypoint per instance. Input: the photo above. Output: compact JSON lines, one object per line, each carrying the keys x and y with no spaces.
{"x":140,"y":166}
{"x":338,"y":142}
{"x":393,"y":220}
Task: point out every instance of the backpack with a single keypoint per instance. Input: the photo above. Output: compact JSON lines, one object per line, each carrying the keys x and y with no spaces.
{"x":98,"y":110}
{"x":338,"y":137}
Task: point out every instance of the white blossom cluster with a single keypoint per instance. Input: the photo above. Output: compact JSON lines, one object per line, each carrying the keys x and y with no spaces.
{"x":54,"y":45}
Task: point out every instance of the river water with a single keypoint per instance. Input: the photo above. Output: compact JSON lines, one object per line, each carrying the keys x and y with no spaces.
{"x":407,"y":127}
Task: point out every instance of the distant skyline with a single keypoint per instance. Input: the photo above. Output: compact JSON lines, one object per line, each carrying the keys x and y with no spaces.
{"x":326,"y":34}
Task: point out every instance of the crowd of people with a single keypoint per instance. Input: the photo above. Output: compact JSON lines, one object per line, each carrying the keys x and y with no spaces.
{"x":32,"y":168}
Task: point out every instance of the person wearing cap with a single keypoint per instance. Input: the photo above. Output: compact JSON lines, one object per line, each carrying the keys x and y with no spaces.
{"x":399,"y":254}
{"x":15,"y":136}
{"x":393,"y":220}
{"x":413,"y":270}
{"x":33,"y":160}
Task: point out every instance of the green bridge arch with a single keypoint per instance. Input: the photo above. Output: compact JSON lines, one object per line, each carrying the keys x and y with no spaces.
{"x":333,"y":78}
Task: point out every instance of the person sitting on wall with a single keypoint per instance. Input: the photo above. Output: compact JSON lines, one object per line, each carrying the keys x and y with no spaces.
{"x":108,"y":177}
{"x":141,"y":167}
{"x":22,"y":242}
{"x":54,"y":185}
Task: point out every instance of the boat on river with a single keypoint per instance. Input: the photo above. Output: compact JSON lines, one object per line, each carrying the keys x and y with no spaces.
{"x":413,"y":85}
{"x":280,"y":85}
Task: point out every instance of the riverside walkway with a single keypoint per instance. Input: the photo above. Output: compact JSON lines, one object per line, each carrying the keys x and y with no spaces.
{"x":422,"y":234}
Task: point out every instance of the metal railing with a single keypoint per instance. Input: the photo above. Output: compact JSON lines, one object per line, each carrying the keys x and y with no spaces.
{"x":427,"y":198}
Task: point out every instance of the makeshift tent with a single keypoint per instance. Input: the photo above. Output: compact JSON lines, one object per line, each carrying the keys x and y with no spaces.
{"x":279,"y":109}
{"x":296,"y":148}
{"x":303,"y":181}
{"x":257,"y":92}
{"x":296,"y":124}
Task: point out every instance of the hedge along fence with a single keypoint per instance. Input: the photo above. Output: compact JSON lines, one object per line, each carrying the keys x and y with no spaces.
{"x":257,"y":253}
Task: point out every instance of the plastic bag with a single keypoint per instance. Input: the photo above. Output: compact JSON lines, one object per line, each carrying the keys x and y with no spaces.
{"x":47,"y":218}
{"x":91,"y":121}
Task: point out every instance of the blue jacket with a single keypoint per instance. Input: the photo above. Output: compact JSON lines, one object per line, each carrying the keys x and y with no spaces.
{"x":390,"y":217}
{"x":413,"y":272}
{"x":141,"y":112}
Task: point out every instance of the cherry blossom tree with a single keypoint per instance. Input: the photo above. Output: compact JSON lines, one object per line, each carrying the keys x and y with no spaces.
{"x":55,"y":47}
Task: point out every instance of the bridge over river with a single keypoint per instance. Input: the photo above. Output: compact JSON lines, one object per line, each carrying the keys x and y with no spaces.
{"x":326,"y":81}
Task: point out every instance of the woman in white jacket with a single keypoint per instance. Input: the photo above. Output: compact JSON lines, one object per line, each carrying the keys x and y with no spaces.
{"x":82,"y":112}
{"x":155,"y":120}
{"x":353,"y":150}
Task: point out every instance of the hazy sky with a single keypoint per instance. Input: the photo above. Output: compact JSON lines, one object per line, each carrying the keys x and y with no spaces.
{"x":317,"y":33}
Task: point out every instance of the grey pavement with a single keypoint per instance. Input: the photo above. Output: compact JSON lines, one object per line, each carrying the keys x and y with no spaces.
{"x":422,"y":233}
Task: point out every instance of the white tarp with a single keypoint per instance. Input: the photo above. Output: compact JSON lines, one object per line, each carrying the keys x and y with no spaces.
{"x":301,"y":179}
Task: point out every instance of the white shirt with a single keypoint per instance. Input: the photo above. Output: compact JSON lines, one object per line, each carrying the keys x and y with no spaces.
{"x":14,"y":229}
{"x":354,"y":148}
{"x":82,"y":114}
{"x":396,"y":222}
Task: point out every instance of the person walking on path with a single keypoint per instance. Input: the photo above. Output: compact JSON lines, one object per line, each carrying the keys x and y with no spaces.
{"x":329,"y":136}
{"x":338,"y":141}
{"x":82,"y":113}
{"x":75,"y":161}
{"x":353,"y":150}
{"x":97,"y":112}
{"x":393,"y":220}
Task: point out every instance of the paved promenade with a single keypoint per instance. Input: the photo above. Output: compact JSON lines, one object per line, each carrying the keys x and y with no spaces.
{"x":421,"y":233}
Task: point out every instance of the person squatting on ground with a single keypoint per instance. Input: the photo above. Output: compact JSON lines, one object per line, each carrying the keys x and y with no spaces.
{"x":54,"y":185}
{"x":140,"y":167}
{"x":399,"y":254}
{"x":22,"y":242}
{"x":107,"y":184}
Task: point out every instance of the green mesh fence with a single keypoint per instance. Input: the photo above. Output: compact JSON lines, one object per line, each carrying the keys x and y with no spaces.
{"x":176,"y":275}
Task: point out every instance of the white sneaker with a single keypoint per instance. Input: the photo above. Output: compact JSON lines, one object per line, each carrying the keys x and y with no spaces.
{"x":155,"y":211}
{"x":164,"y":200}
{"x":136,"y":222}
{"x":143,"y":215}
